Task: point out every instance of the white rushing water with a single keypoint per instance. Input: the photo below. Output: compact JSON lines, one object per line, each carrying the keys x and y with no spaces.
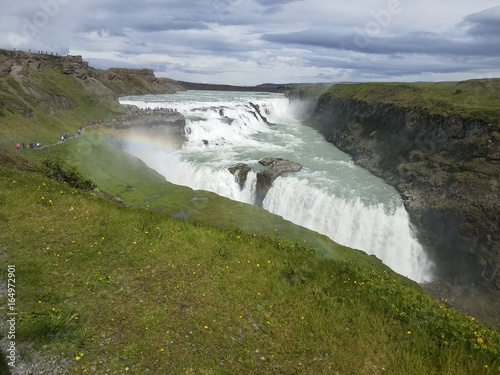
{"x":330,"y":194}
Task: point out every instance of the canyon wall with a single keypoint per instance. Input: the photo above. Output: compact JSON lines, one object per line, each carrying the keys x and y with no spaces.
{"x":445,"y":165}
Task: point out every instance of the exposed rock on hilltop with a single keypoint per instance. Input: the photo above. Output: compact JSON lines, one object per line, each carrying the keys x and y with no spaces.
{"x":141,"y":81}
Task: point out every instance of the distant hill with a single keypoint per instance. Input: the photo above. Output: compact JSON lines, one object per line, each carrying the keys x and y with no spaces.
{"x":265,"y":87}
{"x":268,"y":87}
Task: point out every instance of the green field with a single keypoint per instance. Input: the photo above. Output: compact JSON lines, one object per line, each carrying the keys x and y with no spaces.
{"x":469,"y":99}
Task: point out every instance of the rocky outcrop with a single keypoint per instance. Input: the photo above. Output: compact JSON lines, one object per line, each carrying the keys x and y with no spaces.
{"x":258,"y":114}
{"x":240,"y":172}
{"x":41,"y":87}
{"x":266,"y":178}
{"x":447,"y":170}
{"x":23,"y":63}
{"x":75,"y":66}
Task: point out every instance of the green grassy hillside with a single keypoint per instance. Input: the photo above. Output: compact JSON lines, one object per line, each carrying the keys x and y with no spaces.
{"x":60,"y":106}
{"x":114,"y":288}
{"x":43,"y":97}
{"x":468,"y":99}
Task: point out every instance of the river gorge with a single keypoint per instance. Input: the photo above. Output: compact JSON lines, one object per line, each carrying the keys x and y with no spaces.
{"x":330,"y":194}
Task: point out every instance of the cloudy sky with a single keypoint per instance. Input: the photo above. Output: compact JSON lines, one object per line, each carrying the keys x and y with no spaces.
{"x":249,"y":42}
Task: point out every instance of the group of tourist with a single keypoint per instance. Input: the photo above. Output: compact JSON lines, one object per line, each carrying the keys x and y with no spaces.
{"x":24,"y":146}
{"x":156,"y":112}
{"x":43,"y":52}
{"x":159,"y":111}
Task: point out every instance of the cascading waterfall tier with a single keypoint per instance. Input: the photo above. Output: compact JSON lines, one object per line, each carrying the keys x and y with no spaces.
{"x":329,"y":194}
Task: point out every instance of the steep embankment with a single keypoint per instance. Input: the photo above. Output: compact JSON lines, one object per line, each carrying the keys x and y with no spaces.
{"x":42,"y":95}
{"x":439,"y":144}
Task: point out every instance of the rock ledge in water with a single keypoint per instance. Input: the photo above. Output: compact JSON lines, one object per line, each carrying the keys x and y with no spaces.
{"x":266,"y":178}
{"x":240,"y":172}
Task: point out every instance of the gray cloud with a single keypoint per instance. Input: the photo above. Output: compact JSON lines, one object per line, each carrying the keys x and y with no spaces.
{"x":269,"y":3}
{"x":255,"y":41}
{"x":414,"y":42}
{"x":485,"y":23}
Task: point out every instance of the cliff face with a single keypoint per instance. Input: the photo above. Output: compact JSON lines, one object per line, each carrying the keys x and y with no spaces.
{"x":447,"y":169}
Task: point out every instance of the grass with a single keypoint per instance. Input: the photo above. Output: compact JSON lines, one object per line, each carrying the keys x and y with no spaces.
{"x":112,"y":288}
{"x":468,"y":99}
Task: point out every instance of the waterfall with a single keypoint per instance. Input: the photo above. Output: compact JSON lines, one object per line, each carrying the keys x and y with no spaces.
{"x":373,"y":228}
{"x":330,"y":194}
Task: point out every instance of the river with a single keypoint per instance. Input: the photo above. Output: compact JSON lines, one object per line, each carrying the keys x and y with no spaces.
{"x":330,"y":195}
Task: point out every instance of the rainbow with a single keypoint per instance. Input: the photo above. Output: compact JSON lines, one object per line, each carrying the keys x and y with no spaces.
{"x":142,"y":140}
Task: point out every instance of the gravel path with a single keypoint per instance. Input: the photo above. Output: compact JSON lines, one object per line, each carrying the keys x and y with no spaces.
{"x":29,"y":361}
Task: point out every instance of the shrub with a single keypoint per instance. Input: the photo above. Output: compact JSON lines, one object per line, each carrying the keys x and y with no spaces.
{"x":58,"y":170}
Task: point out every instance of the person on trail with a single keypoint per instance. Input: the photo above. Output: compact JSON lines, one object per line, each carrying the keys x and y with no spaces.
{"x":18,"y":146}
